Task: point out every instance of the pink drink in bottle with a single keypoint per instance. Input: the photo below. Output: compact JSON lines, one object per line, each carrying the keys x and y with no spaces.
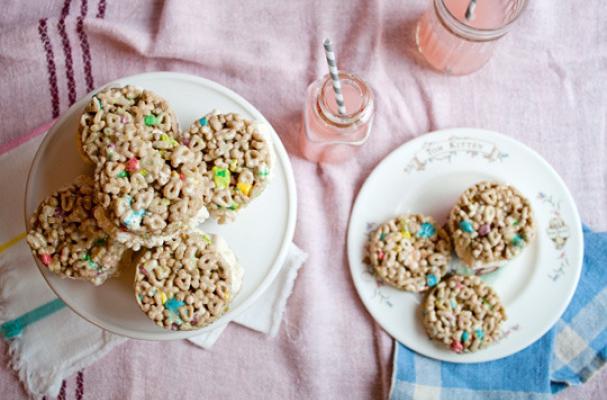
{"x":330,"y":137}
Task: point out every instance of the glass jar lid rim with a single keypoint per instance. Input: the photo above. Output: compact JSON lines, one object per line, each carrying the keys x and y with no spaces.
{"x":476,"y":34}
{"x":365,"y":109}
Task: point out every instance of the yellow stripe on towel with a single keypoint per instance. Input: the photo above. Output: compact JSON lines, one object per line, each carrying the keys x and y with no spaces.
{"x":12,"y":242}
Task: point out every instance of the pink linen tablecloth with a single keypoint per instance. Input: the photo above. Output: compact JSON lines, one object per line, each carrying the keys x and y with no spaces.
{"x":546,"y":86}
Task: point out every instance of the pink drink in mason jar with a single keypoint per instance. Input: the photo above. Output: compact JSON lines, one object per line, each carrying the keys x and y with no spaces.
{"x":457,"y":45}
{"x":330,"y":137}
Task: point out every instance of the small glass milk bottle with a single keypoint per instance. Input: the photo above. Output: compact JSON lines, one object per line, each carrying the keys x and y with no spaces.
{"x":328,"y":136}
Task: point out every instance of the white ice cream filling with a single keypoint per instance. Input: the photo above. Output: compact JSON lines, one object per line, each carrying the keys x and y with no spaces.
{"x":230,"y":261}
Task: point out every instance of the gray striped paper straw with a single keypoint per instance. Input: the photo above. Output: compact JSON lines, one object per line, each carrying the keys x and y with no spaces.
{"x":470,"y":10}
{"x":339,"y":98}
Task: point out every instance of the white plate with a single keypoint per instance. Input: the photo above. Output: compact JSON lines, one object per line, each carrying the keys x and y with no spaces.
{"x":427,"y":175}
{"x":260,"y":236}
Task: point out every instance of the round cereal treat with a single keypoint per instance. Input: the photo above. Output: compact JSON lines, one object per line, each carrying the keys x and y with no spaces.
{"x":237,"y":157}
{"x":463,"y":313}
{"x":188,"y":282}
{"x":151,"y":196}
{"x":117,"y":115}
{"x":409,"y":252}
{"x":489,"y":225}
{"x":65,"y":237}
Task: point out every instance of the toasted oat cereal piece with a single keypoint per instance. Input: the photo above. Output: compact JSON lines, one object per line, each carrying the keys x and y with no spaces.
{"x":463,"y":313}
{"x":489,"y":225}
{"x":237,"y":158}
{"x":116,"y":116}
{"x":65,"y":237}
{"x":188,"y":282}
{"x":409,"y":252}
{"x":151,"y":196}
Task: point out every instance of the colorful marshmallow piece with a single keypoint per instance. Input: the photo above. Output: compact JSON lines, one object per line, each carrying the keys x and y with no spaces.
{"x":182,"y":176}
{"x":123,"y":174}
{"x":431,"y":280}
{"x":132,"y":164}
{"x":517,"y":240}
{"x":465,"y":336}
{"x":466,"y":226}
{"x":45,"y":258}
{"x":207,"y":238}
{"x":99,"y":103}
{"x":143,"y":172}
{"x":203,"y":121}
{"x":453,"y":303}
{"x":484,"y":229}
{"x":163,"y":297}
{"x":173,"y":305}
{"x":382,"y":236}
{"x":244,"y":188}
{"x":150,"y":120}
{"x":456,"y":346}
{"x":426,"y":230}
{"x":166,"y":138}
{"x":234,"y":207}
{"x":221,"y":176}
{"x":133,"y":218}
{"x":479,"y":333}
{"x":264,"y":172}
{"x":405,"y":234}
{"x":381,"y":255}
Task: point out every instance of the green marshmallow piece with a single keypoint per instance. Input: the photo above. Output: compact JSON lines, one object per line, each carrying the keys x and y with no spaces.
{"x":150,"y":120}
{"x":221,"y":176}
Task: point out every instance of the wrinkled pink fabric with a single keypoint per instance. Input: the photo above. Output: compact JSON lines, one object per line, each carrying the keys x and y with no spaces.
{"x":546,"y":86}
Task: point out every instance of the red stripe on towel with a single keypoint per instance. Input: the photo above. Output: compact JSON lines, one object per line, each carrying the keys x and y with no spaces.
{"x":101,"y":9}
{"x":61,"y":395}
{"x":67,"y":51}
{"x":84,"y":45}
{"x":80,"y":385}
{"x":50,"y":66}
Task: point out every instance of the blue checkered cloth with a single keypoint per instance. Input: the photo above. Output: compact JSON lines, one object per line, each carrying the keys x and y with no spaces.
{"x":569,"y":354}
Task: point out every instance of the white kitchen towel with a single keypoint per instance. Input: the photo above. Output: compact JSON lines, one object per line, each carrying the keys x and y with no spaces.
{"x":266,"y":312}
{"x":60,"y":343}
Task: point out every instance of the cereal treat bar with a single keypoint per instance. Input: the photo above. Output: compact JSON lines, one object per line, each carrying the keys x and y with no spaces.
{"x":463,"y":313}
{"x":147,"y":196}
{"x":489,"y":225}
{"x":188,"y":282}
{"x":409,"y":252}
{"x":237,"y":160}
{"x":65,"y":237}
{"x":115,"y":116}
